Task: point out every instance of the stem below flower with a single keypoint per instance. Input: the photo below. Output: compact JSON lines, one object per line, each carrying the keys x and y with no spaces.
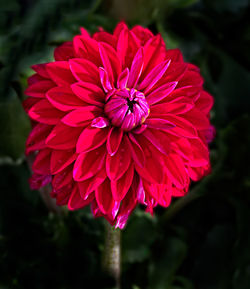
{"x":112,"y":253}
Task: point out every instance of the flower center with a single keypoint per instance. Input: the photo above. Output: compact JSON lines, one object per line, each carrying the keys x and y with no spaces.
{"x":126,"y":108}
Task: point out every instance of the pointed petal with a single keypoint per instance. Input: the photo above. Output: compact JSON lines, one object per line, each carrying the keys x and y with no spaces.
{"x":91,"y":138}
{"x":41,"y":164}
{"x":154,"y":76}
{"x":63,"y":137}
{"x":136,"y":150}
{"x":161,"y":92}
{"x":110,"y":61}
{"x":90,"y":185}
{"x":45,"y":113}
{"x":60,"y":73}
{"x":75,"y":200}
{"x":106,"y":84}
{"x":153,"y":171}
{"x":176,"y":170}
{"x":123,"y":79}
{"x":39,"y":89}
{"x":159,"y":142}
{"x":177,"y":106}
{"x":88,"y":164}
{"x":87,"y":48}
{"x":136,"y":69}
{"x":81,"y":116}
{"x":127,"y":206}
{"x":36,"y":138}
{"x":120,"y":187}
{"x":118,"y":164}
{"x":159,"y":123}
{"x":40,"y":69}
{"x":89,"y":93}
{"x":84,"y":70}
{"x":63,"y":98}
{"x":114,"y":140}
{"x":105,"y":200}
{"x":182,"y":128}
{"x":205,"y":102}
{"x":60,"y":159}
{"x":64,"y":51}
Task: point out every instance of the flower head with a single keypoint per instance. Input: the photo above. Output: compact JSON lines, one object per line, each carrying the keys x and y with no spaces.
{"x":118,"y":120}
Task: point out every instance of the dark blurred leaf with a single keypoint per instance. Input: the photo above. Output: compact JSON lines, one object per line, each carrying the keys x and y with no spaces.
{"x":166,"y":262}
{"x":14,"y":128}
{"x":137,"y":239}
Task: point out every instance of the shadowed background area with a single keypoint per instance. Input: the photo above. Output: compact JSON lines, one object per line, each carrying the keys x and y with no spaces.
{"x":202,"y":241}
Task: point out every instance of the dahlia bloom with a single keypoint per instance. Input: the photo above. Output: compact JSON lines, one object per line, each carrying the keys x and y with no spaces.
{"x":117,"y":120}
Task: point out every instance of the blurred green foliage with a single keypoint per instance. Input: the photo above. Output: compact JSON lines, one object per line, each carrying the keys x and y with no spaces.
{"x":200,"y":242}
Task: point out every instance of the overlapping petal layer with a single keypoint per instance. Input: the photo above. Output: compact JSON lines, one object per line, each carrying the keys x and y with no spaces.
{"x":118,"y":120}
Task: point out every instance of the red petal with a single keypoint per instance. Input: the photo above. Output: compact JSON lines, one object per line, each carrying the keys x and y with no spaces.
{"x":39,"y":89}
{"x":60,"y":159}
{"x":127,"y":206}
{"x":63,"y":137}
{"x":159,"y":139}
{"x":120,"y":187}
{"x":153,"y":170}
{"x":84,"y":70}
{"x":105,"y":200}
{"x":29,"y":102}
{"x":177,"y":106}
{"x":64,"y":51}
{"x":143,"y":34}
{"x":91,"y":138}
{"x":123,"y":79}
{"x":205,"y":102}
{"x":41,"y":164}
{"x":154,"y":52}
{"x":174,"y":54}
{"x":176,"y":171}
{"x":90,"y":185}
{"x":60,"y":72}
{"x":136,"y":150}
{"x":37,"y":137}
{"x":136,"y":69}
{"x":106,"y":37}
{"x":87,"y":48}
{"x":88,"y":164}
{"x":81,"y":116}
{"x":118,"y":164}
{"x":41,"y":70}
{"x":75,"y":200}
{"x":183,"y":127}
{"x":161,"y":93}
{"x":154,"y":76}
{"x":191,"y":78}
{"x":63,"y":98}
{"x":110,"y":61}
{"x":159,"y":123}
{"x":89,"y":93}
{"x":114,"y":140}
{"x":63,"y":179}
{"x":44,"y":112}
{"x":197,"y":118}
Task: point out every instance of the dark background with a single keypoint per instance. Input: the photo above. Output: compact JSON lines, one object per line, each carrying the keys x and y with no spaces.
{"x":203,"y":240}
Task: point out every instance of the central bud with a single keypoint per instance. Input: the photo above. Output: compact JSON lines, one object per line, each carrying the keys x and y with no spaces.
{"x":126,"y":108}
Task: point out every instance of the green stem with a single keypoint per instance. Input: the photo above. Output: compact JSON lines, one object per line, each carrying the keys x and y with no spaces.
{"x":112,"y":253}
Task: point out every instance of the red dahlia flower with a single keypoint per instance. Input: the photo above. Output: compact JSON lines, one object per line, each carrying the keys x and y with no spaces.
{"x":118,"y":120}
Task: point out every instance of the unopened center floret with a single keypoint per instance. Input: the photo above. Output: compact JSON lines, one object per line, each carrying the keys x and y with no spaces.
{"x":127,"y":108}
